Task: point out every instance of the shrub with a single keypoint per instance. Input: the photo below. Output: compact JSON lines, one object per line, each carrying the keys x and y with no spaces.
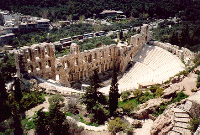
{"x":158,"y":93}
{"x":117,"y":125}
{"x":99,"y":110}
{"x":197,"y":72}
{"x":138,"y":94}
{"x":127,"y":108}
{"x":125,"y":95}
{"x":130,"y":130}
{"x":153,"y":88}
{"x":194,"y":123}
{"x":192,"y":90}
{"x":73,"y":106}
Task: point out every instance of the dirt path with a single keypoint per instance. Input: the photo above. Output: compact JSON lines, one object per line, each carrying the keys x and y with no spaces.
{"x":31,"y":112}
{"x":145,"y":130}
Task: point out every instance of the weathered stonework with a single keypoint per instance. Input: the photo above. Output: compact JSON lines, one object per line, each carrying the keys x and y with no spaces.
{"x":39,"y":60}
{"x":183,"y":53}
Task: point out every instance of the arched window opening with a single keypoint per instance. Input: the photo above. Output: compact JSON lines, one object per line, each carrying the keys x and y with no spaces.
{"x":76,"y":61}
{"x":90,"y":58}
{"x":102,"y":54}
{"x":49,"y":63}
{"x":95,"y":55}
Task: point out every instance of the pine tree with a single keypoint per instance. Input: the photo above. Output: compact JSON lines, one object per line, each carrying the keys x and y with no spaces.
{"x":113,"y":93}
{"x":174,"y":40}
{"x":17,"y":121}
{"x":92,"y":95}
{"x":121,"y":35}
{"x":5,"y":111}
{"x":41,"y":123}
{"x":95,"y":100}
{"x":185,"y":36}
{"x":57,"y":119}
{"x":17,"y":108}
{"x":17,"y":93}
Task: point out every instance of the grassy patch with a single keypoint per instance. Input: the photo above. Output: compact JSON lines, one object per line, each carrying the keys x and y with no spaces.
{"x":92,"y":124}
{"x":129,"y":101}
{"x":28,"y":123}
{"x":162,"y":107}
{"x":81,"y":119}
{"x":69,"y":114}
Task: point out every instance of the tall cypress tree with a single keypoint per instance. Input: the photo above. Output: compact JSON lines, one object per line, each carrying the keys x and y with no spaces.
{"x":113,"y":93}
{"x":5,"y":111}
{"x":17,"y":93}
{"x":92,"y":95}
{"x":17,"y":108}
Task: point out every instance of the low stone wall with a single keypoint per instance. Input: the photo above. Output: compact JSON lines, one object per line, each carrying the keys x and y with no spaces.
{"x":183,"y":53}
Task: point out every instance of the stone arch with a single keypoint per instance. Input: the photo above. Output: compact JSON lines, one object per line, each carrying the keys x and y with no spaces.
{"x":118,"y":53}
{"x":30,"y":56}
{"x":102,"y":55}
{"x":76,"y":61}
{"x":146,"y":38}
{"x":90,"y":58}
{"x":49,"y":63}
{"x":81,"y":74}
{"x":105,"y":66}
{"x":95,"y":55}
{"x":138,"y":40}
{"x":85,"y":59}
{"x":67,"y":63}
{"x":39,"y":52}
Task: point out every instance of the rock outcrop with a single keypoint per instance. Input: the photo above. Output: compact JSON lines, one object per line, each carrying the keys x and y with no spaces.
{"x":148,"y":107}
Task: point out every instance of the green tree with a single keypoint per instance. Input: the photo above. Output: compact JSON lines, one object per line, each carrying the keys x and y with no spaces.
{"x":56,"y":101}
{"x":95,"y":100}
{"x":121,"y":35}
{"x":138,"y":94}
{"x":7,"y":67}
{"x":92,"y":95}
{"x":17,"y":92}
{"x":57,"y":119}
{"x":113,"y":93}
{"x":117,"y":125}
{"x":174,"y":39}
{"x":185,"y":36}
{"x":5,"y":111}
{"x":41,"y":123}
{"x":17,"y":120}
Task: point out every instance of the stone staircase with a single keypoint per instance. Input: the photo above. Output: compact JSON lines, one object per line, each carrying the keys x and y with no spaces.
{"x":181,"y":119}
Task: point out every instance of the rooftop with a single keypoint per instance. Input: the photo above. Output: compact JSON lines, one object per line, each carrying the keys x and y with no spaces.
{"x":111,"y":11}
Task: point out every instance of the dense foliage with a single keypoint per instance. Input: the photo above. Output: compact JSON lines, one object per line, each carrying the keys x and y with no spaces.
{"x":66,"y":9}
{"x":7,"y":67}
{"x":114,"y":92}
{"x":95,"y":42}
{"x":117,"y":125}
{"x":183,"y":34}
{"x":55,"y":120}
{"x":95,"y":101}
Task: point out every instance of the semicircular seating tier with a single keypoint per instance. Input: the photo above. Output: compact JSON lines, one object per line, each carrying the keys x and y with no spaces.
{"x":152,"y":64}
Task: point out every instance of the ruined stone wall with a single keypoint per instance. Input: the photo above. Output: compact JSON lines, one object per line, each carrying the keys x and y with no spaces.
{"x":40,"y":59}
{"x":183,"y":53}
